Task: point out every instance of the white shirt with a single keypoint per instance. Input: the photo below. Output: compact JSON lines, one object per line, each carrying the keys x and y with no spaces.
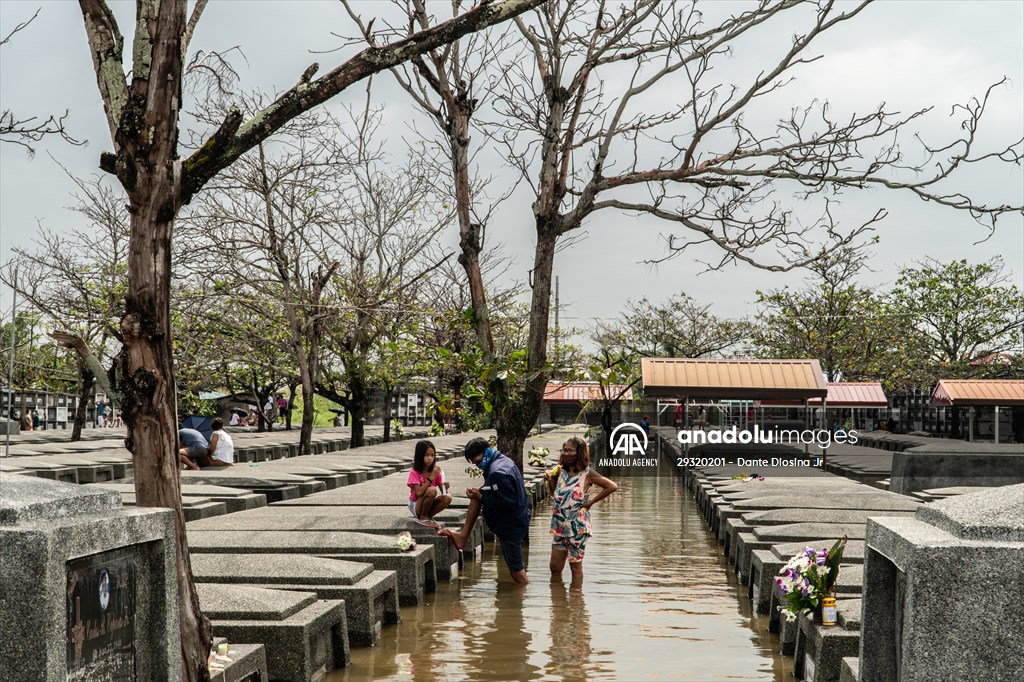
{"x":225,"y":451}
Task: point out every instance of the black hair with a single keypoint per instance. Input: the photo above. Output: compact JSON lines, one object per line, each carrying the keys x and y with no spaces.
{"x":421,"y":453}
{"x":217,"y":424}
{"x":475,"y":447}
{"x":582,"y":453}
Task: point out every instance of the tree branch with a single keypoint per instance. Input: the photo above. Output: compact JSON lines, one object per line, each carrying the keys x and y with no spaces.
{"x":304,"y":96}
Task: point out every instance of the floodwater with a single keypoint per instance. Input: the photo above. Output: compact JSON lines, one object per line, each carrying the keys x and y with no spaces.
{"x":657,"y":603}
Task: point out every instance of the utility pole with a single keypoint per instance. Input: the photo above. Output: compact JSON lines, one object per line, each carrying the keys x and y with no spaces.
{"x":10,"y":370}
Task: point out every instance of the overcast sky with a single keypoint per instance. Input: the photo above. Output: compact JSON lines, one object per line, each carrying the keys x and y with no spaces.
{"x":907,"y":54}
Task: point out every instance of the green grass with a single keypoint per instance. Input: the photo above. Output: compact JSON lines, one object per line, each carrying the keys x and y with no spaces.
{"x":321,"y":414}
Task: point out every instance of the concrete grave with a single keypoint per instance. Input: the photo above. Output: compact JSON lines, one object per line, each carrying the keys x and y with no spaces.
{"x":88,"y":588}
{"x":956,"y":464}
{"x":387,"y":521}
{"x":415,"y":568}
{"x":248,"y":664}
{"x":371,"y":596}
{"x":820,"y":649}
{"x":943,"y":592}
{"x":304,"y":637}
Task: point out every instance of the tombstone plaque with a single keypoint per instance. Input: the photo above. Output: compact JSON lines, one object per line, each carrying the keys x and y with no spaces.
{"x":101,"y":617}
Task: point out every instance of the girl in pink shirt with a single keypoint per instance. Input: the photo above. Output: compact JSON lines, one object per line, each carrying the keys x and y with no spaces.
{"x":428,"y":494}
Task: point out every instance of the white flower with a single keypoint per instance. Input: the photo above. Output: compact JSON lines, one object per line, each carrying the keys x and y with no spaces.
{"x":404,"y":541}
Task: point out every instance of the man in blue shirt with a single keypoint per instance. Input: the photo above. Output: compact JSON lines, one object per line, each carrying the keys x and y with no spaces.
{"x":502,"y":499}
{"x":195,"y":449}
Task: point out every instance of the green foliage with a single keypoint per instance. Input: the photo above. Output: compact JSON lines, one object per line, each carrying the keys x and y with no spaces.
{"x":38,"y":363}
{"x":190,"y":404}
{"x":849,"y":328}
{"x":958,"y":314}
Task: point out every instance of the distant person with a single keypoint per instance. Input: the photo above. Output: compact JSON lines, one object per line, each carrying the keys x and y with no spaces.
{"x":195,"y":449}
{"x":235,"y":419}
{"x":282,"y":406}
{"x":702,"y":418}
{"x":678,"y":421}
{"x":268,"y":410}
{"x":502,"y":499}
{"x":570,"y":510}
{"x":645,"y":424}
{"x":26,"y":421}
{"x":222,"y":446}
{"x":428,"y":491}
{"x":101,"y":414}
{"x":35,"y":420}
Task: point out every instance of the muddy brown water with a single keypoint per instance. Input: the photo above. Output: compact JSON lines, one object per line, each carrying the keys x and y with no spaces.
{"x":657,"y":603}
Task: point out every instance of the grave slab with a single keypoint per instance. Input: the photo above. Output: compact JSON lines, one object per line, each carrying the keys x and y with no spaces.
{"x":371,"y":596}
{"x":415,"y":568}
{"x":304,"y":637}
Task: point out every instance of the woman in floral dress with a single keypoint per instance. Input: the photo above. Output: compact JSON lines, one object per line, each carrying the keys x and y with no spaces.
{"x":570,"y":517}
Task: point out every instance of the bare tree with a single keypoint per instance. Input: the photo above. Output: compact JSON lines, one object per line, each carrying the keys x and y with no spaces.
{"x":270,"y":229}
{"x":143,"y":117}
{"x":584,"y":118}
{"x":393,"y":216}
{"x":77,"y":280}
{"x":28,"y":131}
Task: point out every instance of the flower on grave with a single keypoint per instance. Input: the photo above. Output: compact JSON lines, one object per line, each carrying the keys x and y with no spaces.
{"x":808,"y":578}
{"x":405,"y":542}
{"x":538,"y":455}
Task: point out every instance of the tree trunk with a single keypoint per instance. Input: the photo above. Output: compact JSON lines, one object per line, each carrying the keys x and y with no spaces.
{"x":149,"y":397}
{"x":357,"y":404}
{"x":288,"y":410}
{"x":86,"y":384}
{"x":519,"y":413}
{"x":387,"y":413}
{"x":606,"y":426}
{"x":308,"y":416}
{"x":512,"y":433}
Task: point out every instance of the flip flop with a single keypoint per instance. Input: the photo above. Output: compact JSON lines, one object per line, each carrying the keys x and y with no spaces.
{"x":427,"y":524}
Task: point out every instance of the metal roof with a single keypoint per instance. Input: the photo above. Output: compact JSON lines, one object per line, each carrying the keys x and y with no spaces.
{"x":855,"y":394}
{"x":852,"y":394}
{"x":957,"y":392}
{"x":749,"y":379}
{"x":581,"y":392}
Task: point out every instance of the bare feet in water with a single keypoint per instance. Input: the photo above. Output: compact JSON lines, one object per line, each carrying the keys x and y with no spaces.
{"x":457,"y":540}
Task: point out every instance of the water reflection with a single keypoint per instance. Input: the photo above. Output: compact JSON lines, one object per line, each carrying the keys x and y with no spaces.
{"x":570,"y":651}
{"x":657,"y":603}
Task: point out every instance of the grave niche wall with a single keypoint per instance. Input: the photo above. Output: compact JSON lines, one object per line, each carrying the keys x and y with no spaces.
{"x":943,"y":591}
{"x":88,"y":589}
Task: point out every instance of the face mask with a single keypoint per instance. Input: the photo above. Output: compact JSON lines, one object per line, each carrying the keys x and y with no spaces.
{"x":489,"y":455}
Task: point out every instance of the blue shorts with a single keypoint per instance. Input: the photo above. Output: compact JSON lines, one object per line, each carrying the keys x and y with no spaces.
{"x":512,"y":550}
